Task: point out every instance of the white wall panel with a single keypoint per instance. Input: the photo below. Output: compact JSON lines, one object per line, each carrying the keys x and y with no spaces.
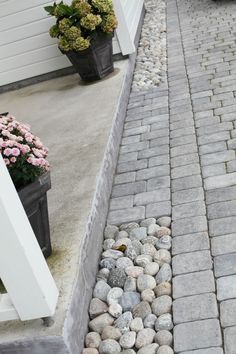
{"x":26,"y":49}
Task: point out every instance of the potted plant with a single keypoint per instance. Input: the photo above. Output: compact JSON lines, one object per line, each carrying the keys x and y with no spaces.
{"x":85,"y":29}
{"x":25,"y":158}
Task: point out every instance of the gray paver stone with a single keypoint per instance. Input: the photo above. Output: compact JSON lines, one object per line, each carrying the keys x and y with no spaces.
{"x":226,"y":287}
{"x":163,"y":170}
{"x":189,"y":225}
{"x":220,"y":181}
{"x":205,"y":351}
{"x":187,"y":196}
{"x":193,"y":284}
{"x":184,"y":171}
{"x":189,"y":209}
{"x":158,"y":209}
{"x":186,"y":183}
{"x":121,"y":190}
{"x":197,"y":335}
{"x":132,"y":166}
{"x":223,"y":244}
{"x":117,"y":217}
{"x":125,"y":178}
{"x":222,"y":209}
{"x":228,"y":313}
{"x":213,"y":170}
{"x":222,"y":226}
{"x":183,"y":149}
{"x":220,"y":195}
{"x":225,"y":264}
{"x":121,"y":202}
{"x":158,"y":182}
{"x":221,"y":156}
{"x":152,"y":196}
{"x":213,"y":147}
{"x":195,"y":308}
{"x":230,"y":340}
{"x":191,"y":242}
{"x":191,"y":262}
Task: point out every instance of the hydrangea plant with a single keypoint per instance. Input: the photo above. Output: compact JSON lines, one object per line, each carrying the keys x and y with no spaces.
{"x":23,"y":153}
{"x":77,"y":24}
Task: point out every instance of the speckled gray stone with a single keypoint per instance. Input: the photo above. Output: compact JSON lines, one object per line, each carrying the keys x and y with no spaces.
{"x":110,"y":332}
{"x":127,"y":340}
{"x":123,"y":322}
{"x":101,"y":290}
{"x":147,"y":222}
{"x":108,"y":263}
{"x":164,"y":274}
{"x":92,"y":340}
{"x":103,"y":274}
{"x":164,"y":322}
{"x":134,"y":271}
{"x":128,"y":227}
{"x":150,"y":239}
{"x":144,"y":337}
{"x":149,"y":349}
{"x":117,"y":278}
{"x":112,"y":254}
{"x":124,"y":262}
{"x":164,"y":221}
{"x":145,"y":281}
{"x":164,"y":242}
{"x":161,"y":305}
{"x":109,"y":346}
{"x":111,"y":231}
{"x":151,"y":268}
{"x":129,"y":300}
{"x":163,"y":289}
{"x":162,"y":256}
{"x":108,"y":244}
{"x":138,"y":234}
{"x":136,"y":324}
{"x":149,"y":321}
{"x":142,"y":260}
{"x":97,"y":307}
{"x":164,"y":338}
{"x":130,"y":284}
{"x":114,"y":295}
{"x":142,"y":310}
{"x":148,"y":295}
{"x":100,"y":322}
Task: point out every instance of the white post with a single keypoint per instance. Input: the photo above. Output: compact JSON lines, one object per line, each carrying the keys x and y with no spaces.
{"x":126,"y":43}
{"x":23,"y":269}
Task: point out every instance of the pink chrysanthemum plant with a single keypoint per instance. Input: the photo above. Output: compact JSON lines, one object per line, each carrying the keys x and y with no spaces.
{"x":23,"y":153}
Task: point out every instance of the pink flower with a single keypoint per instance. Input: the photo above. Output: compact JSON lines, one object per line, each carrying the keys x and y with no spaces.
{"x":15,"y":152}
{"x":7,"y":152}
{"x":13,"y":159}
{"x":29,"y":139}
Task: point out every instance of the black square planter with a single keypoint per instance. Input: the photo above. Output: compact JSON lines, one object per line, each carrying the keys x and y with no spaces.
{"x":34,"y":201}
{"x":95,"y":62}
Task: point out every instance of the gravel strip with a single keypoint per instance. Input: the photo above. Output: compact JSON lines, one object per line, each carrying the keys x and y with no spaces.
{"x":150,"y":68}
{"x":130,"y":311}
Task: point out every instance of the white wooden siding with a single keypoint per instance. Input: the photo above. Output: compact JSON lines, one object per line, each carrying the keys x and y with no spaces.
{"x":26,"y":49}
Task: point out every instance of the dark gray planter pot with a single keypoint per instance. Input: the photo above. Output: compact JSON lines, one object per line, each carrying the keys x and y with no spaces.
{"x":96,"y":62}
{"x":34,"y":201}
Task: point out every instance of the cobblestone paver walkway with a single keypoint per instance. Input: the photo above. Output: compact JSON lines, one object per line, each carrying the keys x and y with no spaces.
{"x":178,"y":158}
